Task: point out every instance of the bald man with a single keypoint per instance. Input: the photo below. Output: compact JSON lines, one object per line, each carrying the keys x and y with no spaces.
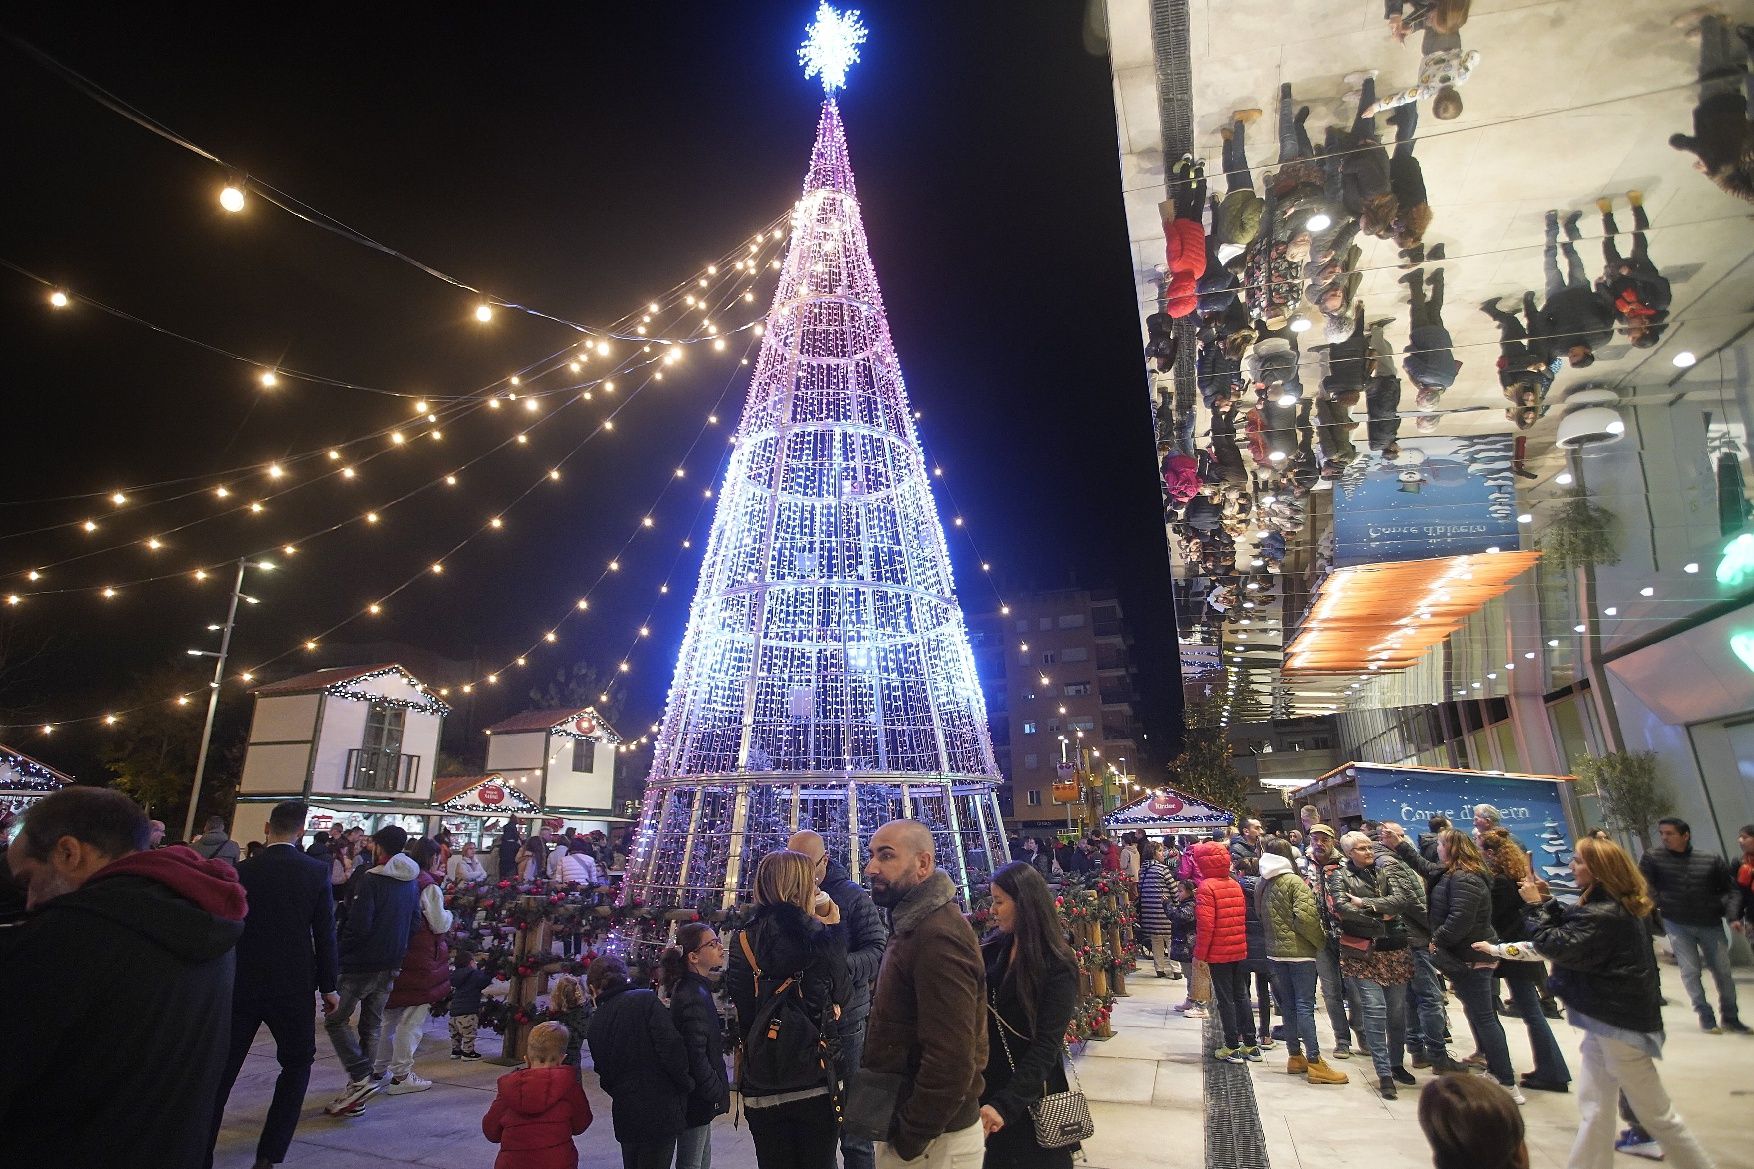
{"x":866,"y":938}
{"x":929,"y":1010}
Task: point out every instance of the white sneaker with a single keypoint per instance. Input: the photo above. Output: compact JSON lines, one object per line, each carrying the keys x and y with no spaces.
{"x":1194,"y":1012}
{"x":411,"y":1083}
{"x":357,"y":1091}
{"x":1516,"y":1093}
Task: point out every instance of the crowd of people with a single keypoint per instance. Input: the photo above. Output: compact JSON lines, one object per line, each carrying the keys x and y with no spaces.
{"x":875,"y":1038}
{"x":1289,"y":362}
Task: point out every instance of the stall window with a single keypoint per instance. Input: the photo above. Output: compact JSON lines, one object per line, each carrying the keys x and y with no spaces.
{"x":584,"y":754}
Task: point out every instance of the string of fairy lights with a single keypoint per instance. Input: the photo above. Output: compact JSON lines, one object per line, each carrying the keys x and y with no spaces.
{"x":652,"y":359}
{"x":239,"y":184}
{"x":657,"y":344}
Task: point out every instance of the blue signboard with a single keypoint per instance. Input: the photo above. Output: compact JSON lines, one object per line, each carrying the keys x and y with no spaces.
{"x":1443,"y":497}
{"x":1533,"y":810}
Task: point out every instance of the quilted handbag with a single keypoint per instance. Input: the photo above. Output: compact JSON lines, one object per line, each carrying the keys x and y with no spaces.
{"x":1061,"y":1119}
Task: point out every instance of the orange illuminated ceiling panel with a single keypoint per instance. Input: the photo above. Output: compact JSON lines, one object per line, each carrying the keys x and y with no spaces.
{"x":1385,"y":616}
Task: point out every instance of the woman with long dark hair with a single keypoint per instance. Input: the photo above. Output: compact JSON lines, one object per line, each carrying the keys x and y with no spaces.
{"x":1032,"y":988}
{"x":687,"y":976}
{"x":1606,"y":973}
{"x":796,"y":934}
{"x":1461,"y":914}
{"x":1509,"y":868}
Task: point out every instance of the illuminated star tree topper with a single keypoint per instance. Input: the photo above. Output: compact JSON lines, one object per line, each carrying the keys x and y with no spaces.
{"x":831,"y":46}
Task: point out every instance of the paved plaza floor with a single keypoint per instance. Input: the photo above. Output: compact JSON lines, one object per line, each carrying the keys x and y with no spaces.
{"x":1147,"y":1089}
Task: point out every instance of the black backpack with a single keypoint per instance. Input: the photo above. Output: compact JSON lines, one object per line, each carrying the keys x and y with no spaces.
{"x":784,"y":1048}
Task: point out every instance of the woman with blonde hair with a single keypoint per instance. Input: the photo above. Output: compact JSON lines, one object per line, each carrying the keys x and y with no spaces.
{"x":1606,"y":973}
{"x":1461,"y":914}
{"x":794,"y":944}
{"x":1508,"y":867}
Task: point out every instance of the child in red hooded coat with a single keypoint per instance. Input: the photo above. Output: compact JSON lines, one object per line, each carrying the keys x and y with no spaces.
{"x":1184,"y":234}
{"x":1221,"y":941}
{"x":540,"y":1109}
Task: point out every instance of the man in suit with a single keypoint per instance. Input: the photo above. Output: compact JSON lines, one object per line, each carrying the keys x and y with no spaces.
{"x":284,"y":959}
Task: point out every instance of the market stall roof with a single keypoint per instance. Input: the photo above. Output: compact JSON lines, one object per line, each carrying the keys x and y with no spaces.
{"x":1167,"y":810}
{"x":1385,"y":616}
{"x":337,"y":679}
{"x":481,"y":795}
{"x":20,"y":773}
{"x":577,"y":721}
{"x":1347,"y":772}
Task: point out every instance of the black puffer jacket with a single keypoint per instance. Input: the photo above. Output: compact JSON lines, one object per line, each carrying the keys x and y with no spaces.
{"x":642,"y":1064}
{"x":1461,"y":914}
{"x":1507,"y":922}
{"x":866,"y":938}
{"x":789,"y":942}
{"x":1603,"y":964}
{"x":1691,"y":888}
{"x":696,"y":1017}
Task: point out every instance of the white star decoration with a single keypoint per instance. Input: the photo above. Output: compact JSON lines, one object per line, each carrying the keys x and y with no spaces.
{"x":831,"y":46}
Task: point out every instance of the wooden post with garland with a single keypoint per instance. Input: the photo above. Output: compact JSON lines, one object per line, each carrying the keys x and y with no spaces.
{"x":532,"y":951}
{"x":1117,"y":907}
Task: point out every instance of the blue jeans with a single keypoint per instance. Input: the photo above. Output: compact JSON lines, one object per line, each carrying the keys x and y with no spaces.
{"x":1474,"y":988}
{"x":1699,"y":946}
{"x":1385,"y":1021}
{"x":694,"y":1147}
{"x":1294,"y":984}
{"x":855,"y":1151}
{"x":368,"y":992}
{"x":1426,"y":1025}
{"x":1549,"y":1060}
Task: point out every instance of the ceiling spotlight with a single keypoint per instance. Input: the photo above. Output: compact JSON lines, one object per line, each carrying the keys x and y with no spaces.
{"x":1684,"y":359}
{"x":1319,"y":222}
{"x":1300,"y":324}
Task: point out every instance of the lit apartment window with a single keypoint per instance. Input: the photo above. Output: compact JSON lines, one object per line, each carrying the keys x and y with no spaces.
{"x":1029,"y":728}
{"x":1077,"y":690}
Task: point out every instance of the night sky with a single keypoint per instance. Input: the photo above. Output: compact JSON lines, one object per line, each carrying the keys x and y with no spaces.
{"x":581,"y":158}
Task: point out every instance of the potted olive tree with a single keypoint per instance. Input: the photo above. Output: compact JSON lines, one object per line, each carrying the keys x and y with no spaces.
{"x":1633,"y":796}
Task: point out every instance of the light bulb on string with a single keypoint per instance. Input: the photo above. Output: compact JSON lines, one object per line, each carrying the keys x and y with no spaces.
{"x":59,"y":299}
{"x":231,"y":197}
{"x":483,"y":312}
{"x":268,"y":378}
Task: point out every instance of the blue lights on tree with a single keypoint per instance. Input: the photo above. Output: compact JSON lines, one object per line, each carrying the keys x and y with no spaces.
{"x":825,"y":679}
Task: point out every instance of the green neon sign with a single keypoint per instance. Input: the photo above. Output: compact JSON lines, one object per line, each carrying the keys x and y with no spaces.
{"x":1736,"y":567}
{"x":1742,"y":645}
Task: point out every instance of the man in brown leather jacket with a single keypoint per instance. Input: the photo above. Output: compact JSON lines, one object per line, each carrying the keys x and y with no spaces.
{"x":929,"y":1007}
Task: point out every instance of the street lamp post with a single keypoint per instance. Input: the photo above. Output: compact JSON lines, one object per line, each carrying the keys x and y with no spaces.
{"x":231,"y":616}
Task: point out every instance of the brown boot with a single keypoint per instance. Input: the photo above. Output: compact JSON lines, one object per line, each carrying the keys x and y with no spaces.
{"x":1320,"y":1073}
{"x":1296,"y":1065}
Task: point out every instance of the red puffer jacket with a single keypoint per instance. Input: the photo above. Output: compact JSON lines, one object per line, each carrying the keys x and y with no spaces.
{"x":535,"y":1117}
{"x":1185,"y":250}
{"x":426,"y":966}
{"x":1220,"y":907}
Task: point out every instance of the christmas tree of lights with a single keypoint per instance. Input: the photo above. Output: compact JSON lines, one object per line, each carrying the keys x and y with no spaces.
{"x":825,"y":679}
